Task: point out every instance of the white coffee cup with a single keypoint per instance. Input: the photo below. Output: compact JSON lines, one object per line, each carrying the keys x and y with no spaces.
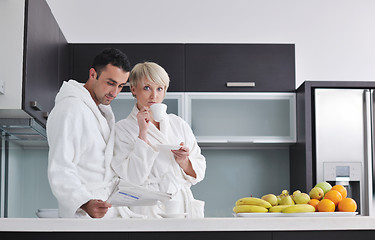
{"x":159,"y":111}
{"x":171,"y":207}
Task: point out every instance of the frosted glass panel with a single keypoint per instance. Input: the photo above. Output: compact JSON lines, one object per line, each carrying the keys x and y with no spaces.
{"x":28,"y":188}
{"x":233,"y":174}
{"x":241,"y":117}
{"x":122,"y":108}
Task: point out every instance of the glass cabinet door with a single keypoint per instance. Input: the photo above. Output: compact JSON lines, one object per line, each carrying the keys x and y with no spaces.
{"x":242,"y":117}
{"x":123,"y":104}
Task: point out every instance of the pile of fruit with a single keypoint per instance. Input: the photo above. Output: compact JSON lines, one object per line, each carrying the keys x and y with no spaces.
{"x":322,"y":198}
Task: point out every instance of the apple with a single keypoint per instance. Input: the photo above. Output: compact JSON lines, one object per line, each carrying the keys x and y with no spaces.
{"x":316,"y":193}
{"x":271,"y":198}
{"x":301,"y":198}
{"x":325,"y":186}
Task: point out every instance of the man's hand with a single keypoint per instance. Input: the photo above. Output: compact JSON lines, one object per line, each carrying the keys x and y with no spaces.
{"x":96,"y":208}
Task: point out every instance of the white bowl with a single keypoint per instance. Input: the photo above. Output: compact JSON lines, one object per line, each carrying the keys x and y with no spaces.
{"x":47,"y":213}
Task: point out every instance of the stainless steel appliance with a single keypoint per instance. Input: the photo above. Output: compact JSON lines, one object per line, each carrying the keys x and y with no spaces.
{"x":344,"y":124}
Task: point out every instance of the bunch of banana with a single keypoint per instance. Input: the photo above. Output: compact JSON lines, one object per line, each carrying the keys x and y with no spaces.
{"x":278,"y":208}
{"x":299,"y":208}
{"x":251,"y":204}
{"x":249,"y":209}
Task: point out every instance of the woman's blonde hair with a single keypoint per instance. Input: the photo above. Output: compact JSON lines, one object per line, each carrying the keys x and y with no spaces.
{"x":150,"y":71}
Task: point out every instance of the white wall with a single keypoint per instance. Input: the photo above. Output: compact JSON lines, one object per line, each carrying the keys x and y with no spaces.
{"x":11,"y":50}
{"x":334,"y":39}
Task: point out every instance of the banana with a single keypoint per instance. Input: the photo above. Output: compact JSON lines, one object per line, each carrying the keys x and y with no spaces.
{"x":249,"y":209}
{"x":299,"y":208}
{"x":278,"y":208}
{"x":253,"y":201}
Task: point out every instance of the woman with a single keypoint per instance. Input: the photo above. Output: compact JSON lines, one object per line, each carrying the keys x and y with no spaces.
{"x":140,"y":160}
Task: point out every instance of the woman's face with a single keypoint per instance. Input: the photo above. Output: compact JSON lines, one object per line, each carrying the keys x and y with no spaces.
{"x":148,"y":93}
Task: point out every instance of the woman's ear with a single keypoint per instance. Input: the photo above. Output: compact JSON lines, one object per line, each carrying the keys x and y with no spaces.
{"x":132,"y":89}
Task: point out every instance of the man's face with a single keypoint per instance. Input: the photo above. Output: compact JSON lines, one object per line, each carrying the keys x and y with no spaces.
{"x":110,"y":82}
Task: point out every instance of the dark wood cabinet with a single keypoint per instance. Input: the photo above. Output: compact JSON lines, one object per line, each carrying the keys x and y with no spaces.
{"x":169,"y":56}
{"x":264,"y":235}
{"x":199,"y":235}
{"x":313,"y":235}
{"x":45,"y":60}
{"x":270,"y":67}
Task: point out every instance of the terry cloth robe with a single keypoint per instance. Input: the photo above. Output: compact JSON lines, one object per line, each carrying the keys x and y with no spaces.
{"x":81,"y":140}
{"x":155,"y":168}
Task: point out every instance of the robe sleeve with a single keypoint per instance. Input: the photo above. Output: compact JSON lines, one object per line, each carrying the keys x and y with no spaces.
{"x":133,"y":158}
{"x":64,"y":134}
{"x":198,"y":161}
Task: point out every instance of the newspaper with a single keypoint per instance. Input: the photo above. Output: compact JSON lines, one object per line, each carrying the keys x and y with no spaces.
{"x":128,"y":194}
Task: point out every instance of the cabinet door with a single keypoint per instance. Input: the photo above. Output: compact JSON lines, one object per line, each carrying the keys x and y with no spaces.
{"x":313,"y":235}
{"x":242,"y":117}
{"x":169,"y":56}
{"x":199,"y":235}
{"x":264,"y":67}
{"x":43,"y":44}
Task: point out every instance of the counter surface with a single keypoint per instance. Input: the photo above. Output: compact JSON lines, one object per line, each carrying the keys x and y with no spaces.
{"x":195,"y":225}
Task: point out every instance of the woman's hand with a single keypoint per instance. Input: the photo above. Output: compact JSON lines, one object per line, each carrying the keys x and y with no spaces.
{"x":182,"y":158}
{"x":143,"y":117}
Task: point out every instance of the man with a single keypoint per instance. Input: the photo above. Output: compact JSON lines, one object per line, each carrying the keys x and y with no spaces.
{"x":80,"y":133}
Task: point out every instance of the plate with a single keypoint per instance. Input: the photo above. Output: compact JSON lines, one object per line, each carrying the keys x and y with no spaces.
{"x":267,"y":214}
{"x":321,"y":214}
{"x":307,"y":214}
{"x":168,"y":147}
{"x":173,"y":215}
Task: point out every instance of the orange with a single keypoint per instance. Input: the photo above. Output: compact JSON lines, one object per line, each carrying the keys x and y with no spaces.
{"x":334,"y":196}
{"x":314,"y":203}
{"x":341,"y":189}
{"x":326,"y":205}
{"x":347,"y":205}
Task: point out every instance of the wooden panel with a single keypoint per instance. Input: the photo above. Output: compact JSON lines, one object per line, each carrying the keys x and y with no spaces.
{"x":199,"y":235}
{"x":169,"y":56}
{"x":210,"y":66}
{"x":41,"y":59}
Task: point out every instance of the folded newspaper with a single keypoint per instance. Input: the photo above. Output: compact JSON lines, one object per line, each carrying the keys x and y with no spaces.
{"x":128,"y":194}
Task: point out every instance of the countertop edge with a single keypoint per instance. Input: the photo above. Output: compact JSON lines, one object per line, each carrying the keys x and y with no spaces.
{"x":187,"y":225}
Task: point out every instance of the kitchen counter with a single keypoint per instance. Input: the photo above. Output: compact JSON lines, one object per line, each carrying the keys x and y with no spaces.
{"x":187,"y":225}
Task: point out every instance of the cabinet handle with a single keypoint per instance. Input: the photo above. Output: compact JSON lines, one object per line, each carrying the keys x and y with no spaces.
{"x":35,"y":106}
{"x":45,"y":114}
{"x":240,"y":84}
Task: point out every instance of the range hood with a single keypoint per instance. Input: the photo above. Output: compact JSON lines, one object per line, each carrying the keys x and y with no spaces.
{"x":24,"y":129}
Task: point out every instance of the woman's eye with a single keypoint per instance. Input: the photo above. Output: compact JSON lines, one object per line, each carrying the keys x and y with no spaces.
{"x":146,"y":88}
{"x":160,"y":89}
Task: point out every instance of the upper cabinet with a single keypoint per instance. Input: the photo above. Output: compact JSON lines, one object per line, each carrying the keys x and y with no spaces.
{"x":241,"y":118}
{"x":169,"y":56}
{"x":206,"y":67}
{"x":46,"y":58}
{"x":240,"y":67}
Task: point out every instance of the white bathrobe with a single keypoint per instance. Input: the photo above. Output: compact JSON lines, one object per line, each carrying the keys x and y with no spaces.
{"x":81,"y":140}
{"x":155,"y":168}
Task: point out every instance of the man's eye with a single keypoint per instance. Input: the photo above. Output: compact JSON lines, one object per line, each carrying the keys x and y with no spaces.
{"x":111,"y":83}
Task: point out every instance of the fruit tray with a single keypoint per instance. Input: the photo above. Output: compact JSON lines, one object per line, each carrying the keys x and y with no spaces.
{"x":306,"y":214}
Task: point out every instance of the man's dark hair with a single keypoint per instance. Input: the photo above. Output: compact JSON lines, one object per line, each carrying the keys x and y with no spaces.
{"x":111,"y":56}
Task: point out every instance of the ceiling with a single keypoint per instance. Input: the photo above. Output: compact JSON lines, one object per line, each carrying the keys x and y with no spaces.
{"x":125,"y":21}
